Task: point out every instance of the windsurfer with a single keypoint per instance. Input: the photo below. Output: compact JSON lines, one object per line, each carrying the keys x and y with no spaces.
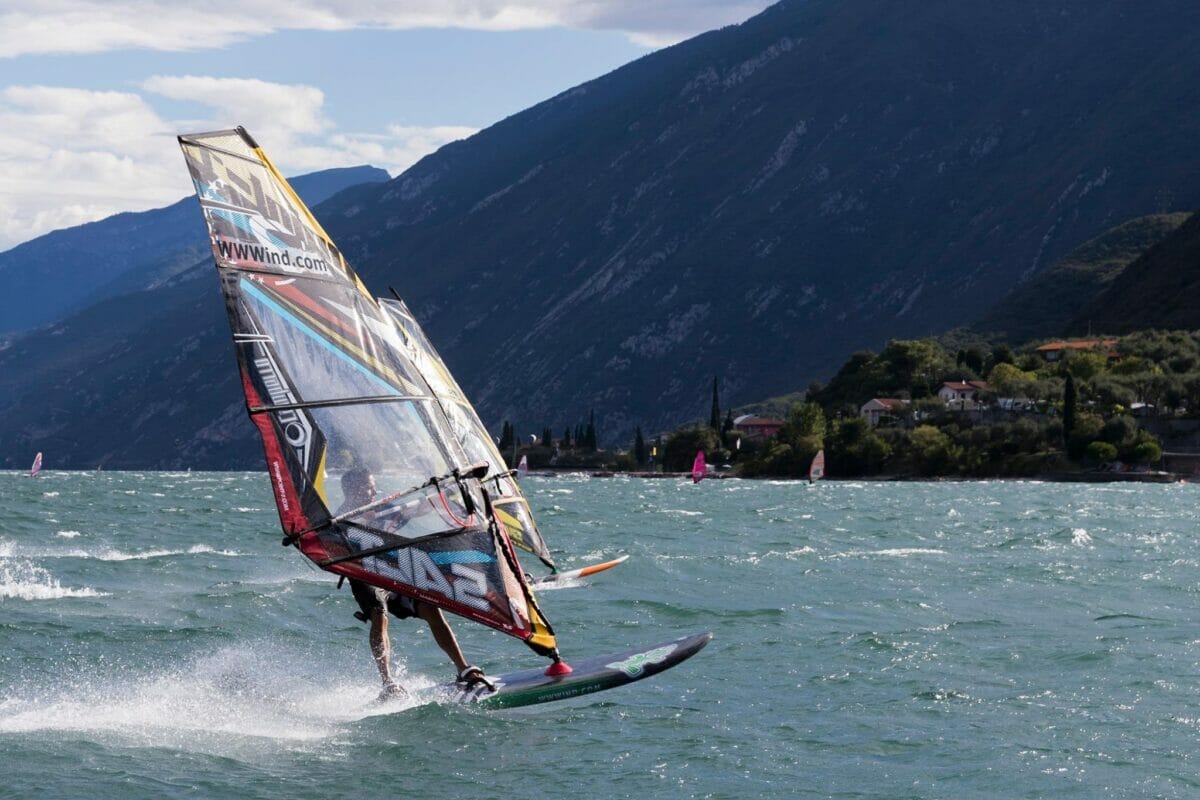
{"x":358,"y":489}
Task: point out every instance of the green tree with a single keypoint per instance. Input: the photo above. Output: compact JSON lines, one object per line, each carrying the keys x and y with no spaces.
{"x":506,"y":438}
{"x":1147,"y":453}
{"x":727,"y":425}
{"x":1085,"y":364}
{"x":854,"y":448}
{"x":1009,"y":381}
{"x":681,"y":446}
{"x":565,"y":444}
{"x":1002,"y":354}
{"x":1086,"y":430}
{"x":933,"y":451}
{"x":639,"y":447}
{"x":1101,"y":452}
{"x":805,"y":420}
{"x":971,"y":358}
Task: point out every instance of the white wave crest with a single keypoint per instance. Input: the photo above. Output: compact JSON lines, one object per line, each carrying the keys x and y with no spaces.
{"x":26,"y":581}
{"x":7,"y":549}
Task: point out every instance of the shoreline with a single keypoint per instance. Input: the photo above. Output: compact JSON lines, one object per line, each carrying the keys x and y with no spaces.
{"x":1047,"y":477}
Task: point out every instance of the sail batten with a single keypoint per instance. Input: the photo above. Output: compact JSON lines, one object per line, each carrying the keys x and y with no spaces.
{"x":340,"y":402}
{"x":338,"y":393}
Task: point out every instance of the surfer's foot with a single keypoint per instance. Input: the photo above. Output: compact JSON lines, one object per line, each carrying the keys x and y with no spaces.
{"x":472,"y":676}
{"x":392,"y":691}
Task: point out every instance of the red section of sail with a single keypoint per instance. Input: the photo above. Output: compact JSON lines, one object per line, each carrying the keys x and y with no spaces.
{"x":287,"y":498}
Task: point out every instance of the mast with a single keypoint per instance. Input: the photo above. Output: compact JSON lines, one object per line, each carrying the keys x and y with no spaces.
{"x":333,"y":388}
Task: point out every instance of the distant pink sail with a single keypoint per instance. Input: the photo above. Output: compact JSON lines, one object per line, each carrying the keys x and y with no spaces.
{"x":37,"y":465}
{"x":816,"y":470}
{"x":699,"y":467}
{"x":523,"y":467}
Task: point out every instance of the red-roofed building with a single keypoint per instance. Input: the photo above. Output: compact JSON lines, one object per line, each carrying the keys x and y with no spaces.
{"x":1056,"y":351}
{"x":752,"y":425}
{"x":881,"y":408}
{"x":962,"y":395}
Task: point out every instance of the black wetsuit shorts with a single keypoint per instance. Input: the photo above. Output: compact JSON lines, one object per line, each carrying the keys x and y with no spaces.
{"x":371,"y":597}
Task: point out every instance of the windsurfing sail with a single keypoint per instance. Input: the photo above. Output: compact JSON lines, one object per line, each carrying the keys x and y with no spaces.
{"x":816,"y":470}
{"x":699,"y":467}
{"x":331,"y":384}
{"x":523,"y":467}
{"x":510,"y":504}
{"x":37,"y":465}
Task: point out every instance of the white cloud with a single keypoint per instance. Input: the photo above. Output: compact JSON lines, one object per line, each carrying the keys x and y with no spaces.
{"x":269,"y":109}
{"x":69,"y":156}
{"x":92,"y":26}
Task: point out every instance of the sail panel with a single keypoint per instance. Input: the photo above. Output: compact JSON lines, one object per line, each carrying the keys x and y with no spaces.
{"x":363,"y":459}
{"x":816,"y":470}
{"x":469,"y":431}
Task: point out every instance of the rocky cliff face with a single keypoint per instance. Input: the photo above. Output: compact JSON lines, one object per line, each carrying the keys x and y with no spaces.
{"x":759,"y":201}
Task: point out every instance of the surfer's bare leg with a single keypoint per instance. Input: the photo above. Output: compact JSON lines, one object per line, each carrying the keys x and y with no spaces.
{"x":442,"y":634}
{"x":380,"y":646}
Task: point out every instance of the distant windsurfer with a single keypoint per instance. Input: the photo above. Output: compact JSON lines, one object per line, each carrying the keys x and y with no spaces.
{"x":358,"y":489}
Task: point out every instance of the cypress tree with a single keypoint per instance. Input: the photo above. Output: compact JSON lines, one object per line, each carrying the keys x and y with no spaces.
{"x":1069,"y":402}
{"x":566,"y":440}
{"x":547,"y":438}
{"x":639,"y":447}
{"x":591,"y":431}
{"x":506,"y":437}
{"x":714,"y":419}
{"x":727,"y":425}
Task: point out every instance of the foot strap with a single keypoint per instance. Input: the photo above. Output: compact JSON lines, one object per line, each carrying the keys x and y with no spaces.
{"x":472,"y":675}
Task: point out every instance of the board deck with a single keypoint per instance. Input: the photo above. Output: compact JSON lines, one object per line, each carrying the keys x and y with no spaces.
{"x":590,"y":675}
{"x":573,"y":574}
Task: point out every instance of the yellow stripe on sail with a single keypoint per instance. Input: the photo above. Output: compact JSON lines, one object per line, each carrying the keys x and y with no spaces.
{"x":319,"y":479}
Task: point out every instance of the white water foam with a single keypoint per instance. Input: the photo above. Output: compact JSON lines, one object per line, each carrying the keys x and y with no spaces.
{"x":23,"y":580}
{"x":220,"y":704}
{"x":892,"y":552}
{"x":110,"y":553}
{"x":67,"y":534}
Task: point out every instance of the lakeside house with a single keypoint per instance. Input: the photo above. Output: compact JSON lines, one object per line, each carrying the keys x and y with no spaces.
{"x":882,"y":408}
{"x":752,"y":425}
{"x":1056,"y":351}
{"x":962,"y":395}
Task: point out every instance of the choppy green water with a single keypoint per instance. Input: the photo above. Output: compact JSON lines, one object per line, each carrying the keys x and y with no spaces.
{"x":872,"y":640}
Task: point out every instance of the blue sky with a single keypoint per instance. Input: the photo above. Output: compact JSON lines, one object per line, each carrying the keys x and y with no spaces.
{"x":92,"y":92}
